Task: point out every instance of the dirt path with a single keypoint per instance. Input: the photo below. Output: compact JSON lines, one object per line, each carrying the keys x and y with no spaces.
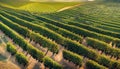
{"x":8,"y":65}
{"x":69,"y":7}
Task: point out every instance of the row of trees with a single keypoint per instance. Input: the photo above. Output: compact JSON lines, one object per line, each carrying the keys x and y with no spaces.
{"x":110,"y":39}
{"x":34,"y":52}
{"x":83,"y":20}
{"x":112,"y":0}
{"x":82,"y":31}
{"x":48,"y":62}
{"x":78,"y":60}
{"x":82,"y":50}
{"x":37,"y":28}
{"x":95,"y":29}
{"x":21,"y":58}
{"x":72,"y":57}
{"x":91,"y":54}
{"x":59,"y":30}
{"x":104,"y":47}
{"x":93,"y":65}
{"x":88,"y":18}
{"x":22,"y":42}
{"x":43,"y":41}
{"x":91,"y":34}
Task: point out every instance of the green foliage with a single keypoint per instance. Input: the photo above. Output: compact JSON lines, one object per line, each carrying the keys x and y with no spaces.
{"x":94,"y":29}
{"x":34,"y":52}
{"x":37,"y":28}
{"x":45,"y":42}
{"x":69,"y":44}
{"x":107,"y":62}
{"x":39,"y":7}
{"x":104,"y":47}
{"x":11,"y":48}
{"x":112,"y":0}
{"x":115,"y":65}
{"x":93,"y":65}
{"x":21,"y":41}
{"x":80,"y":31}
{"x":64,"y":32}
{"x":22,"y":59}
{"x":52,"y":46}
{"x":48,"y":62}
{"x":80,"y":49}
{"x":72,"y":57}
{"x":60,"y":31}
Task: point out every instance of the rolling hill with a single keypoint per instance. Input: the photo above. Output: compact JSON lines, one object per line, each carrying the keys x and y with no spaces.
{"x":43,"y":7}
{"x":85,"y":36}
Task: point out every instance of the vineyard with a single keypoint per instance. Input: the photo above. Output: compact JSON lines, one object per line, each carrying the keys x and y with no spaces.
{"x":83,"y":37}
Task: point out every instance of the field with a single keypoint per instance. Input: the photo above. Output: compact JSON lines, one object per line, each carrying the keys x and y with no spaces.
{"x":86,"y":36}
{"x":36,"y":7}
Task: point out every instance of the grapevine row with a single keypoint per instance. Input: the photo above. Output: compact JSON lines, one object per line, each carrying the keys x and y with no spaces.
{"x":34,"y":52}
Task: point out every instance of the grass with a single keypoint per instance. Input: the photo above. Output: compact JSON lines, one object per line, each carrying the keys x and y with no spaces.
{"x":46,"y":7}
{"x":40,"y":7}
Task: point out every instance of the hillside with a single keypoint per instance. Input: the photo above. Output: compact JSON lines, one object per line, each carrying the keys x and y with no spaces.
{"x":43,"y":7}
{"x":85,"y":35}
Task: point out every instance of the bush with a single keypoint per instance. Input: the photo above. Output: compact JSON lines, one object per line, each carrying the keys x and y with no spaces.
{"x":93,"y":65}
{"x":11,"y":48}
{"x":104,"y":47}
{"x":22,"y":59}
{"x":76,"y":59}
{"x":48,"y":62}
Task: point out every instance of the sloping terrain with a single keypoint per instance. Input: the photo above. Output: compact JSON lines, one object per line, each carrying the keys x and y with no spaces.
{"x":83,"y":37}
{"x":8,"y":65}
{"x":43,"y":7}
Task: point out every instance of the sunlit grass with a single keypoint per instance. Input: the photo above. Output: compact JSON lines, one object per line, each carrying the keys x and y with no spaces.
{"x":42,"y":7}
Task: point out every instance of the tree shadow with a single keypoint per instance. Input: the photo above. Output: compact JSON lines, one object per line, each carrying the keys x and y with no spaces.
{"x":36,"y":66}
{"x":2,"y":58}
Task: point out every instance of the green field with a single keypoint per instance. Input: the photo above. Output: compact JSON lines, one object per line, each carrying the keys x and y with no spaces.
{"x":86,"y":36}
{"x":42,"y":7}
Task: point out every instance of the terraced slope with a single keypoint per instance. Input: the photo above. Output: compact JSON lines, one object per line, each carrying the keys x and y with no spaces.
{"x":76,"y":35}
